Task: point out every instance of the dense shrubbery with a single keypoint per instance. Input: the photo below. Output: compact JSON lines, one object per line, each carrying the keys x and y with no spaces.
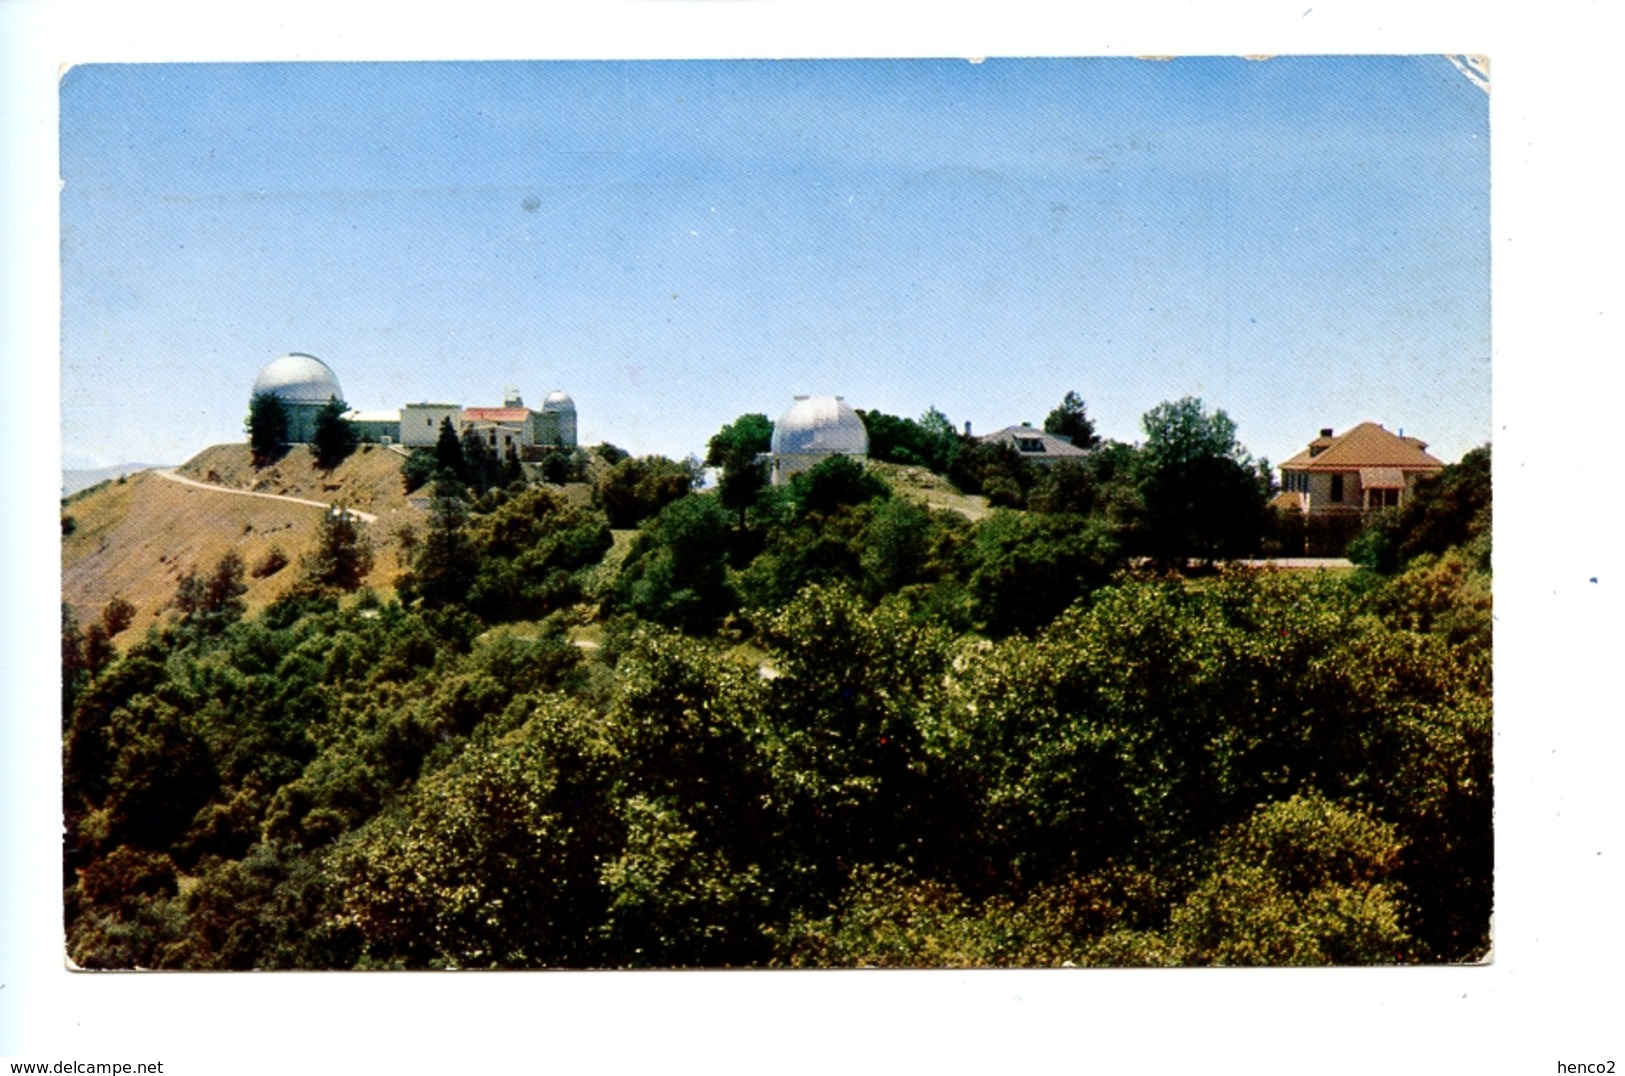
{"x":929,"y":441}
{"x":834,"y":728}
{"x":1443,"y":512}
{"x":638,"y":487}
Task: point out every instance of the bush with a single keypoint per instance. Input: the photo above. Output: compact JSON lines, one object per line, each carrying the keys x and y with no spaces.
{"x":418,"y":469}
{"x":836,"y":481}
{"x":343,"y":554}
{"x":1441,"y":512}
{"x":674,"y":573}
{"x":635,"y":489}
{"x":274,"y":561}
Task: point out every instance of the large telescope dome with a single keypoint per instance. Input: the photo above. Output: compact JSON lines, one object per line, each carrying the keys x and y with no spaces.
{"x":299,"y":379}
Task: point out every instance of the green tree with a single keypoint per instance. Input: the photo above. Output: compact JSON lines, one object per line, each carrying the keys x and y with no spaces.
{"x":74,"y":668}
{"x":211,"y":602}
{"x":1071,"y":421}
{"x":836,"y":481}
{"x":482,"y":468}
{"x":939,"y":440}
{"x":851,"y":719}
{"x":512,"y":473}
{"x":1202,"y":492}
{"x":996,"y":471}
{"x":639,"y":487}
{"x":162,"y":773}
{"x":929,"y":442}
{"x":443,"y":566}
{"x":267,"y":427}
{"x":343,"y":554}
{"x":528,"y":551}
{"x":1029,"y":567}
{"x":1067,"y":487}
{"x":1443,"y":511}
{"x":492,"y":863}
{"x":675,"y":573}
{"x":418,"y":469}
{"x":448,"y":451}
{"x":334,"y":436}
{"x":610,"y":454}
{"x":736,"y":450}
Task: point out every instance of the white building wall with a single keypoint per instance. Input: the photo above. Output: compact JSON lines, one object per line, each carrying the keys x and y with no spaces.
{"x":420,"y":423}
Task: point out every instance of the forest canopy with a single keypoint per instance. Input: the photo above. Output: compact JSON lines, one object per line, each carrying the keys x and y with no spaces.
{"x":823,"y":724}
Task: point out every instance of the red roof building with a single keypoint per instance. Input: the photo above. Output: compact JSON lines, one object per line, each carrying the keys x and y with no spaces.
{"x":1362,"y":469}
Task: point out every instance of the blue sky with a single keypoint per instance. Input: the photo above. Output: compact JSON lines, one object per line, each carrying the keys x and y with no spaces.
{"x":1303,"y":242}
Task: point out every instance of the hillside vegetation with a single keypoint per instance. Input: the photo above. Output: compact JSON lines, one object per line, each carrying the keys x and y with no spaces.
{"x":816,"y":725}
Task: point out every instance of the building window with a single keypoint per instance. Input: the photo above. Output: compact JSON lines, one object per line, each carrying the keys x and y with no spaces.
{"x":1337,"y":489}
{"x":1382,"y":498}
{"x":1030,"y":444}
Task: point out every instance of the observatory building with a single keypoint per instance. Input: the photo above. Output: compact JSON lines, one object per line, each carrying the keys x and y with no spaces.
{"x":529,"y":433}
{"x":814,"y":429}
{"x":555,"y":423}
{"x":304,"y":384}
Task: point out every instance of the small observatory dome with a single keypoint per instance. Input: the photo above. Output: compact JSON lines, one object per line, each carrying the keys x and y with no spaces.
{"x":299,"y":379}
{"x":822,"y":425}
{"x":555,"y":424}
{"x":815,"y":428}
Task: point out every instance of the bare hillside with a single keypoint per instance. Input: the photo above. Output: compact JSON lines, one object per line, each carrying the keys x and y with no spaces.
{"x":370,"y":480}
{"x":135,"y":538}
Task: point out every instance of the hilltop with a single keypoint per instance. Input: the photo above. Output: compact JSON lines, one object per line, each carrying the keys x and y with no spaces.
{"x":134,"y":537}
{"x":932,"y":490}
{"x":75,"y":480}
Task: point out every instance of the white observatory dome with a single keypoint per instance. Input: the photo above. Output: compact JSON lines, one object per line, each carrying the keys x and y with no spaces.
{"x":558,"y":400}
{"x":299,"y":379}
{"x":820,"y":425}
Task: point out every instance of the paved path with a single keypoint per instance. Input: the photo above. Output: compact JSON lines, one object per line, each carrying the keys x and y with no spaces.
{"x":169,"y":473}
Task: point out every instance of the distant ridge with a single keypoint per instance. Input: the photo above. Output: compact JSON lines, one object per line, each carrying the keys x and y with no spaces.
{"x":83,"y":478}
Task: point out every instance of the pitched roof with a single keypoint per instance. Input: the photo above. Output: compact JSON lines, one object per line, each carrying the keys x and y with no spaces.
{"x":1051,"y":444}
{"x":1367,"y":445}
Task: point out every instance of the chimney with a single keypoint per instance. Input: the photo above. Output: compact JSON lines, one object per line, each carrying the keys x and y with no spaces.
{"x":1326,"y":432}
{"x":967,"y":429}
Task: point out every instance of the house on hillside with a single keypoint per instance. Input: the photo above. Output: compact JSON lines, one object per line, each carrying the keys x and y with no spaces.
{"x":1340,"y":478}
{"x":1035,"y":446}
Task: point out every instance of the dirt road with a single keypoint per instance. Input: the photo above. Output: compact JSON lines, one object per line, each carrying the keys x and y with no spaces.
{"x":169,"y":473}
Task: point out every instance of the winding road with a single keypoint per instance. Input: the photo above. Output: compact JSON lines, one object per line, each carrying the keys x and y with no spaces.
{"x":169,"y":473}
